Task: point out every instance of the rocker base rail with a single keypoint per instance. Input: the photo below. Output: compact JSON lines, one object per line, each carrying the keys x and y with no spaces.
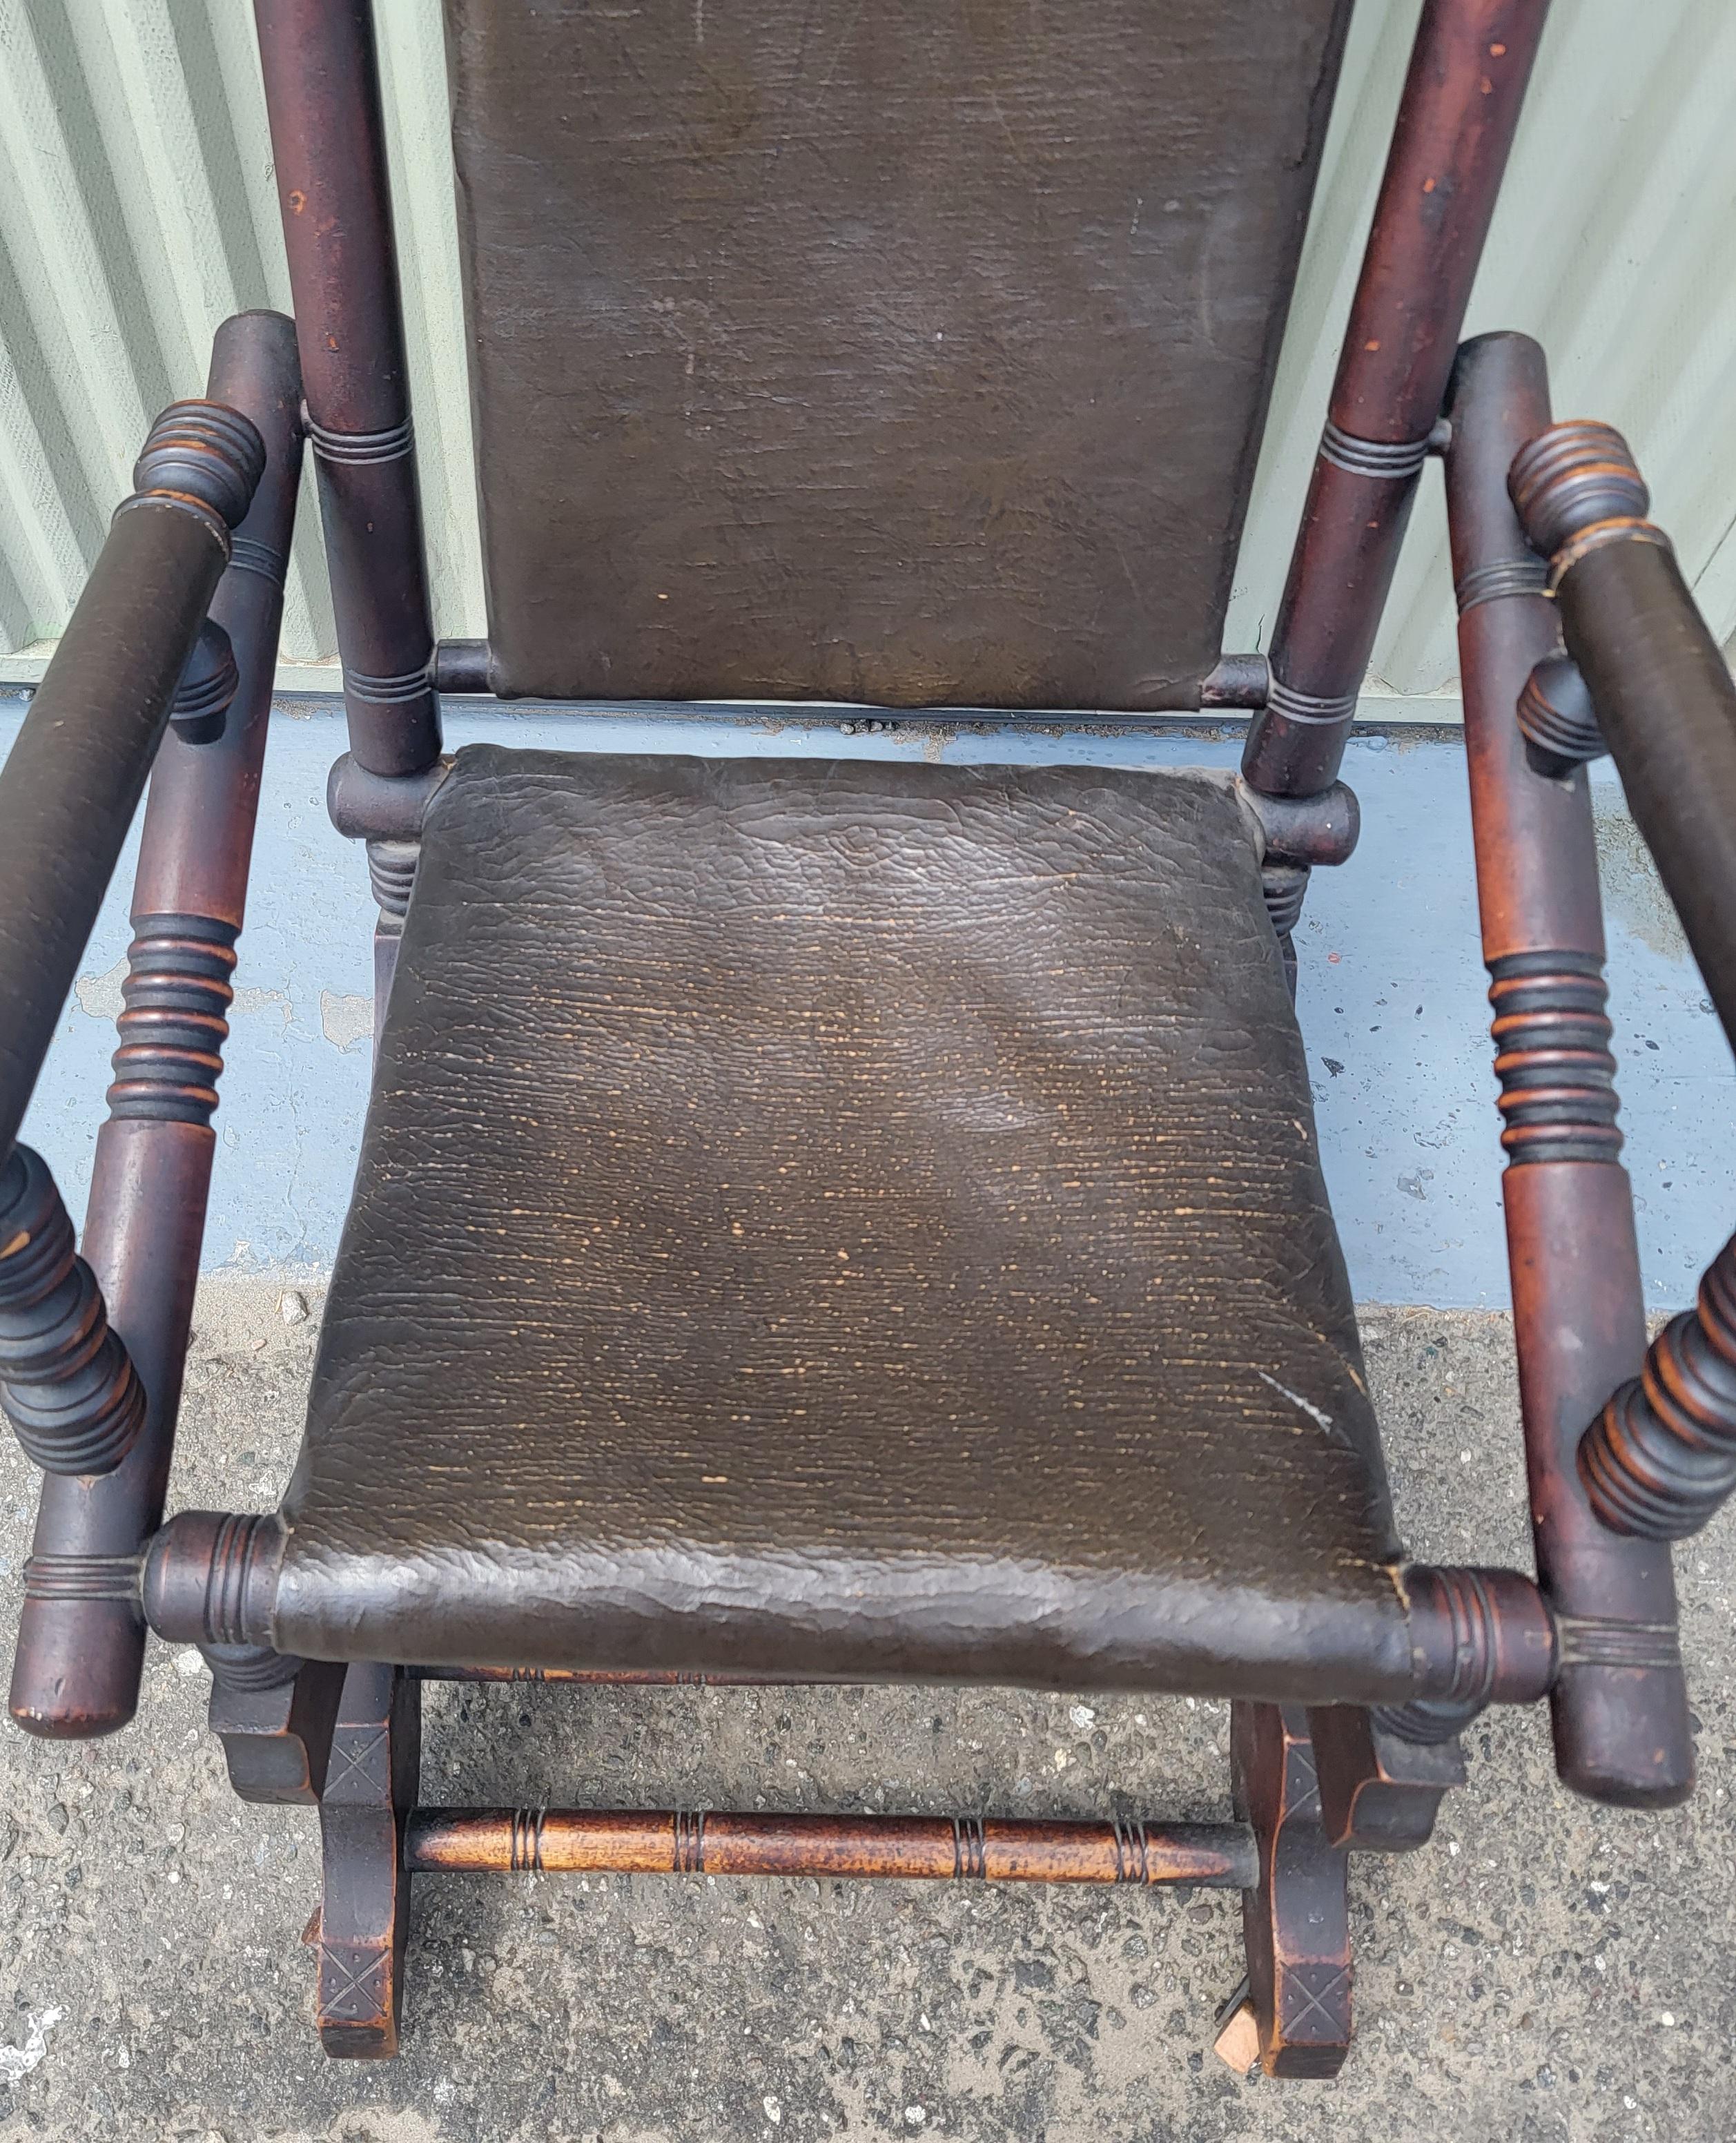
{"x":502,"y":1841}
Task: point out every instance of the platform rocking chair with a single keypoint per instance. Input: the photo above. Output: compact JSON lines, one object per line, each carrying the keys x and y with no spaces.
{"x":840,"y":1221}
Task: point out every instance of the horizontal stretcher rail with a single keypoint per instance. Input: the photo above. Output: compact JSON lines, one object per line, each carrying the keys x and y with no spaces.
{"x":634,"y":1678}
{"x":907,"y":1849}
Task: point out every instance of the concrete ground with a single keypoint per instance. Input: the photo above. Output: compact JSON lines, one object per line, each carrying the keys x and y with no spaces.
{"x":1545,"y":1970}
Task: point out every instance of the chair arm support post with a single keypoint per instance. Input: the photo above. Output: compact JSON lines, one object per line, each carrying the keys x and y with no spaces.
{"x":73,"y":778}
{"x":81,"y":1639}
{"x":1468,"y":72}
{"x":328,"y":139}
{"x":1660,"y":1457}
{"x":1618,"y":1704}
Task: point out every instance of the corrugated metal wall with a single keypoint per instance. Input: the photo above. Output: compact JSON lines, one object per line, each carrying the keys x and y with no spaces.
{"x":136,"y":210}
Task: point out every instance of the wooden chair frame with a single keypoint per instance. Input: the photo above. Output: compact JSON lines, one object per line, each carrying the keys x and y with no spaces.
{"x":180,"y":622}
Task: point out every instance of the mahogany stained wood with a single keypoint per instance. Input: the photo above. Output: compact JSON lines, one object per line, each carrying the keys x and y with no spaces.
{"x":1295,"y":1920}
{"x":75,"y":773}
{"x":329,"y":152}
{"x":1462,"y":96}
{"x":902,"y":1849}
{"x":1620,"y":1704}
{"x":369,"y":1789}
{"x":81,"y":1639}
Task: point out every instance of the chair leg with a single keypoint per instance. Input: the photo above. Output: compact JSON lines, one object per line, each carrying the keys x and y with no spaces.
{"x":370,"y":1788}
{"x":1296,"y":1921}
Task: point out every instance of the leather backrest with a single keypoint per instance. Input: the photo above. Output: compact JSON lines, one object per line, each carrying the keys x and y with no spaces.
{"x":913,"y":352}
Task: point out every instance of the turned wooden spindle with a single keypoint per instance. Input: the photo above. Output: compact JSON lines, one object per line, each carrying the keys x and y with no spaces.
{"x":1660,"y":1458}
{"x":67,"y":1385}
{"x":81,"y":1636}
{"x":1462,"y":97}
{"x":1618,"y":1701}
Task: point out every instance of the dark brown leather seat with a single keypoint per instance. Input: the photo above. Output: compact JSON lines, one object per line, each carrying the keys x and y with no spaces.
{"x":843,"y":1219}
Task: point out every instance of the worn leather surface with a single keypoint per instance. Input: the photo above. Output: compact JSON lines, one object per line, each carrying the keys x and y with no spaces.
{"x":915,"y":353}
{"x":849,"y":1219}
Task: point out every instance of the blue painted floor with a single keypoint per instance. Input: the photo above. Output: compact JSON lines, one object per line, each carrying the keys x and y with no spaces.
{"x":1391,"y":1002}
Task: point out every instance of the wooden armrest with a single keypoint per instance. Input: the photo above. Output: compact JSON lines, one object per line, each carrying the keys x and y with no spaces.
{"x":73,"y":779}
{"x":1663,"y":693}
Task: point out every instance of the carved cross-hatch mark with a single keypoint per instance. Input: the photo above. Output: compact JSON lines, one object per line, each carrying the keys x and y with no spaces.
{"x":1302,"y":1782}
{"x":358,"y":1769}
{"x":1310,"y":1992}
{"x":352,"y":1982}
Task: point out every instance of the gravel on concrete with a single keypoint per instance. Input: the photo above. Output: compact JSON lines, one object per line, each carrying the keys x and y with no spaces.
{"x":1545,"y":1970}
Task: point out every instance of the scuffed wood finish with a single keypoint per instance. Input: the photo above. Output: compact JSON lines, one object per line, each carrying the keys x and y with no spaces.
{"x":904,"y":1849}
{"x":81,"y":1639}
{"x":1620,"y":1704}
{"x":277,"y":1739}
{"x":1295,"y":1921}
{"x":1660,"y":1458}
{"x":68,"y":1384}
{"x":370,"y":1786}
{"x":73,"y":777}
{"x":322,"y":95}
{"x":1379,"y":1791}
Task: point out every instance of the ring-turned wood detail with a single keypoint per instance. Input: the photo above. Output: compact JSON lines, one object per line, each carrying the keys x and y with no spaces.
{"x":906,"y":1848}
{"x":202,"y":456}
{"x":361,"y":449}
{"x":1306,"y":708}
{"x":1661,"y":1457}
{"x":1499,"y":579}
{"x":1383,"y":460}
{"x":208,"y":683}
{"x":210,"y":1576}
{"x":392,"y":877}
{"x":1558,"y":1099}
{"x":173,"y":1024}
{"x":57,"y":1577}
{"x":1557,"y":719}
{"x":66,"y":1384}
{"x":1574,"y":480}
